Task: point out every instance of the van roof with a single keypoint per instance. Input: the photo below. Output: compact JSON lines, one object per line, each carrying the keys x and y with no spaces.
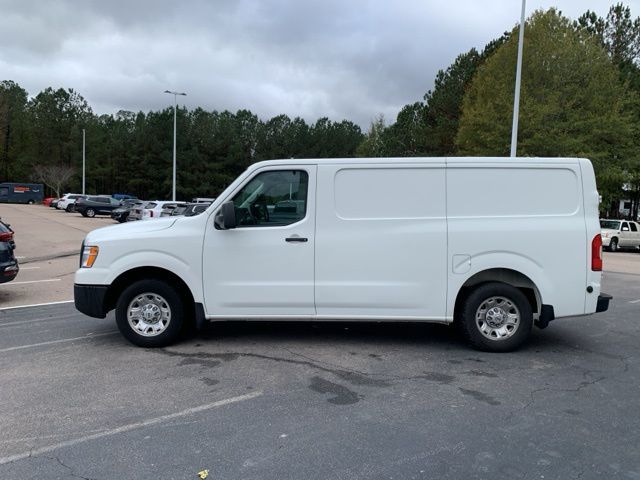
{"x":419,"y":160}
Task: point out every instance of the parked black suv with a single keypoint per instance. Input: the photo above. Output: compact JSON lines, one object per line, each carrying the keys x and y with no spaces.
{"x":96,"y":205}
{"x":8,"y":263}
{"x":121,"y":214}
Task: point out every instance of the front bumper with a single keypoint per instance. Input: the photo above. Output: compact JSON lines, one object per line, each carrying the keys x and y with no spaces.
{"x":90,"y":299}
{"x":603,"y":302}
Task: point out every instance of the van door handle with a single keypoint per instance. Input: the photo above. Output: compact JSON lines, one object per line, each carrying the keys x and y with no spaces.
{"x":296,"y":239}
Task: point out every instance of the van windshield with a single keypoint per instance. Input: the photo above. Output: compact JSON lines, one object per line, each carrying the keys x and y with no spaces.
{"x":611,"y":224}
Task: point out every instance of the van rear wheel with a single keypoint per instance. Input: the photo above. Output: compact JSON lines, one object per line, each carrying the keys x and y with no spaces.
{"x":150,"y":313}
{"x":496,"y":317}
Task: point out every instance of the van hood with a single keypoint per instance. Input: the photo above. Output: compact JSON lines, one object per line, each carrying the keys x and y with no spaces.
{"x":129,"y":229}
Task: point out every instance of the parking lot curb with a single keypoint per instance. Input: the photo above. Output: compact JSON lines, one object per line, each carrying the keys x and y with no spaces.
{"x":49,"y":257}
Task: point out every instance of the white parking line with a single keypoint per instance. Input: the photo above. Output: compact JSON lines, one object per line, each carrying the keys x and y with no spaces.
{"x":52,"y":342}
{"x":36,"y":305}
{"x":28,"y":268}
{"x":10,"y":284}
{"x":34,"y":320}
{"x":635,"y":301}
{"x":129,"y":427}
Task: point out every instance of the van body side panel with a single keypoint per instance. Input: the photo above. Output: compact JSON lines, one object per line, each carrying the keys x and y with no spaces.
{"x":381,"y":242}
{"x":11,"y":192}
{"x":520,"y":215}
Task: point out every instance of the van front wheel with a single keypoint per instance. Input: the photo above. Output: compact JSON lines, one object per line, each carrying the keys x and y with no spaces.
{"x":496,"y":317}
{"x":150,"y":313}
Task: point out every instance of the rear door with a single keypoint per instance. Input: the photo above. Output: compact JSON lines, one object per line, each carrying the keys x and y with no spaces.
{"x":635,"y":234}
{"x":103,"y":204}
{"x":114,"y":203}
{"x":625,"y":235}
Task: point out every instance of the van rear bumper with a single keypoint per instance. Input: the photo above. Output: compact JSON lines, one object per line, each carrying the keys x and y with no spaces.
{"x":89,"y":299}
{"x":603,"y":302}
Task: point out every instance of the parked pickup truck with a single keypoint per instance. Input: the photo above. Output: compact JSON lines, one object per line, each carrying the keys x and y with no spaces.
{"x":494,"y":245}
{"x":618,"y":234}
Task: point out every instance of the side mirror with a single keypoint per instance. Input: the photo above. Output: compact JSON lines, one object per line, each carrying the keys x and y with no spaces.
{"x":625,"y":229}
{"x":226,"y":217}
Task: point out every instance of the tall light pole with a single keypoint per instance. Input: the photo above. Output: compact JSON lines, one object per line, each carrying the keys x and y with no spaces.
{"x":175,"y":109}
{"x":83,"y":159}
{"x":516,"y":98}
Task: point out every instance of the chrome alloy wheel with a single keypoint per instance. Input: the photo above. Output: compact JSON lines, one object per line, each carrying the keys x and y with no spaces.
{"x":149,"y":314}
{"x":497,"y":318}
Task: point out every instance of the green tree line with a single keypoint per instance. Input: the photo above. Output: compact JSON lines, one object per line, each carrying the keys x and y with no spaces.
{"x":580,"y":97}
{"x":132,"y":152}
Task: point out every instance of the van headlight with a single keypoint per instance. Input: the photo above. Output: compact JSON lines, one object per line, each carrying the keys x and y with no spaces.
{"x":89,"y":255}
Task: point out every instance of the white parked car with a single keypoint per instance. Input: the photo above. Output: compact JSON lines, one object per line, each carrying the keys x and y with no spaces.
{"x":67,"y":200}
{"x":169,"y":208}
{"x":153,"y":209}
{"x":618,"y":234}
{"x":474,"y":241}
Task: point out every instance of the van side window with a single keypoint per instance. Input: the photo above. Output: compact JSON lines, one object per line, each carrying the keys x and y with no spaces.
{"x":633,"y":227}
{"x":272,"y":199}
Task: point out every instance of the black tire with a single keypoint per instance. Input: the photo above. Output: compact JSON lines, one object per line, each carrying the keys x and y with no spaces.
{"x":175,"y":305}
{"x":89,"y":212}
{"x":613,"y":245}
{"x":31,"y":202}
{"x":471,"y":330}
{"x":69,"y":209}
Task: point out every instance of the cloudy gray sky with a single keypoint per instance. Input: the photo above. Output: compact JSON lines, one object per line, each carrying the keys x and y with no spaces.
{"x":350,"y":59}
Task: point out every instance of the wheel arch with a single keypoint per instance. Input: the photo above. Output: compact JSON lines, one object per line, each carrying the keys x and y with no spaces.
{"x":503,"y":275}
{"x":125,"y":279}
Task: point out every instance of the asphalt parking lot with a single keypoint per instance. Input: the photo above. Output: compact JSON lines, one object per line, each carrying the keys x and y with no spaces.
{"x":318,"y":401}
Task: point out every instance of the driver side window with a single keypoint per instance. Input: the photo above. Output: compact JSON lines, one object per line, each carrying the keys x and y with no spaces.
{"x":272,"y":199}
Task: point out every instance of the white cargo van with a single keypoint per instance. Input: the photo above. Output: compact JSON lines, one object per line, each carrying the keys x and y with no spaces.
{"x":493,"y":244}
